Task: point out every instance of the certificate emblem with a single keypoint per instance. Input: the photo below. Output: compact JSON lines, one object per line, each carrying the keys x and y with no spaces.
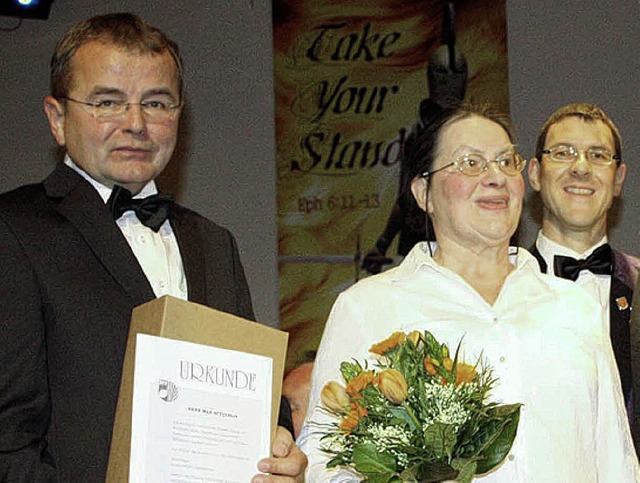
{"x":167,"y":390}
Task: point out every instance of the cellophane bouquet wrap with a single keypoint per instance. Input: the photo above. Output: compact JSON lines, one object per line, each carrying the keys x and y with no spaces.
{"x":418,"y":415}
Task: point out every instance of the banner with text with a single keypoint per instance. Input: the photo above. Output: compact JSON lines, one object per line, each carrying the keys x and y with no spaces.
{"x":351,"y":80}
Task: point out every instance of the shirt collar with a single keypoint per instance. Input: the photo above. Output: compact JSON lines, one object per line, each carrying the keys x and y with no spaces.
{"x":419,"y":258}
{"x":548,"y":249}
{"x":104,"y":191}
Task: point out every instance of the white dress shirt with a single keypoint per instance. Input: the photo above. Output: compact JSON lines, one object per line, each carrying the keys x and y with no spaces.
{"x":542,"y":336}
{"x":157,"y":253}
{"x":598,"y":285}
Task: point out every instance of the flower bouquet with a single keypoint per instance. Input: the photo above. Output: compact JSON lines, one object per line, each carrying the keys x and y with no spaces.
{"x":419,"y":416}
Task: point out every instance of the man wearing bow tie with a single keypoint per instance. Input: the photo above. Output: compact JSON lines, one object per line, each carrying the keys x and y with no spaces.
{"x":81,"y":249}
{"x":578,"y":171}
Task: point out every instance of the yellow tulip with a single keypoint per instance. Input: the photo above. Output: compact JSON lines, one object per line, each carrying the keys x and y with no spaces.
{"x":334,"y":397}
{"x":393,"y":385}
{"x":415,"y":337}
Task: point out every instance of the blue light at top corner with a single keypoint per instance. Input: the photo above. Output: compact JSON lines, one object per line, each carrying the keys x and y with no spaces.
{"x":27,"y":3}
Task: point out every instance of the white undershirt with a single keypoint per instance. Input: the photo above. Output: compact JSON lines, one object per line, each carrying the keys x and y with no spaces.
{"x":598,"y":285}
{"x":157,"y":253}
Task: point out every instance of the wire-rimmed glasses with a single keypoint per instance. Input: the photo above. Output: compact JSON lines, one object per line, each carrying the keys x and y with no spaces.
{"x":110,"y":110}
{"x":569,"y":154}
{"x":473,"y":164}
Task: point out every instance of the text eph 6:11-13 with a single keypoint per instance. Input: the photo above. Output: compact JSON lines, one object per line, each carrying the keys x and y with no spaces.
{"x":338,"y":202}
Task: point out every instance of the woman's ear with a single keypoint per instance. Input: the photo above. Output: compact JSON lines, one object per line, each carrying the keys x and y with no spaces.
{"x":419,"y":191}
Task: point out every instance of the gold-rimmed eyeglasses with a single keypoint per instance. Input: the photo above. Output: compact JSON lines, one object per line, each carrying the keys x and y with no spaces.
{"x":110,"y":110}
{"x":569,"y":154}
{"x":476,"y":164}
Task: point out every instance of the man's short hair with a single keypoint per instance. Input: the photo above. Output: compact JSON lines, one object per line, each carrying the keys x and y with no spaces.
{"x":585,"y":111}
{"x":124,"y":30}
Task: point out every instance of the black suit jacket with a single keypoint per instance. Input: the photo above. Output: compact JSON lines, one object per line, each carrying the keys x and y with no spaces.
{"x":635,"y":367}
{"x":69,"y":283}
{"x":620,"y":298}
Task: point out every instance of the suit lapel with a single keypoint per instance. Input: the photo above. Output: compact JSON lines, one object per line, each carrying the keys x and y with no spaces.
{"x":534,"y":251}
{"x":82,"y":206}
{"x":620,"y":297}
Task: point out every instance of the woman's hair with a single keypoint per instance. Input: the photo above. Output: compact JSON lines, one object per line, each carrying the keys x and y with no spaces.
{"x":423,"y":147}
{"x":124,"y":30}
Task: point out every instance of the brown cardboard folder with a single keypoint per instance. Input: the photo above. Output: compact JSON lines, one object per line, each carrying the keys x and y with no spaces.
{"x":181,"y":320}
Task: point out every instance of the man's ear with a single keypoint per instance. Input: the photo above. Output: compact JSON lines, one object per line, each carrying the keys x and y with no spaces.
{"x":534,"y":173}
{"x":621,"y":172}
{"x":56,"y":115}
{"x":419,"y":189}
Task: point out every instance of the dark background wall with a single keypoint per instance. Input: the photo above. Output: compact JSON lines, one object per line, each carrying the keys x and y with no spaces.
{"x":559,"y":52}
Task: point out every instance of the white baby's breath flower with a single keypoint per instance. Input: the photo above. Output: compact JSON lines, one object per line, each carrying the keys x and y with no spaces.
{"x":385,"y":437}
{"x":333,"y":443}
{"x":446,"y":404}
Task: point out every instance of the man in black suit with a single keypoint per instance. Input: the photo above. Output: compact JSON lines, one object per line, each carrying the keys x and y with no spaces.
{"x":578,"y":171}
{"x":78,"y":254}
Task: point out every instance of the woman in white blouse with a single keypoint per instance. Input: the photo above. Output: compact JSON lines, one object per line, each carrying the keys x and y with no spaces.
{"x":542,"y":335}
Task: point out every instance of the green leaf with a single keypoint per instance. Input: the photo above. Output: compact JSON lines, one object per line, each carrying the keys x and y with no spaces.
{"x":505,"y":410}
{"x":440,"y":439}
{"x":466,"y":469}
{"x":501,"y":444}
{"x":368,"y":460}
{"x":401,"y":413}
{"x":334,"y":462}
{"x":433,"y":346}
{"x":411,"y":474}
{"x":349,"y":370}
{"x":380,"y":477}
{"x":430,"y":472}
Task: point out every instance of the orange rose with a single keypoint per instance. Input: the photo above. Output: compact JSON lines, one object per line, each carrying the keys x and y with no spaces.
{"x":351,"y":420}
{"x":358,"y":383}
{"x":429,"y":366}
{"x":465,"y":373}
{"x":394,"y":340}
{"x":393,"y":385}
{"x":334,"y":397}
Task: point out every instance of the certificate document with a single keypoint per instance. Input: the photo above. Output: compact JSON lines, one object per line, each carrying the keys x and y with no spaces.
{"x":200,"y":413}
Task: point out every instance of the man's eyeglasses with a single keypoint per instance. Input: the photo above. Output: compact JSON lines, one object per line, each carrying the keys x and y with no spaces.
{"x":566,"y":153}
{"x":109,"y":110}
{"x":475,"y":164}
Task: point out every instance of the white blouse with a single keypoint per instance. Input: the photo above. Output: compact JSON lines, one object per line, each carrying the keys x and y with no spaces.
{"x":544,"y":339}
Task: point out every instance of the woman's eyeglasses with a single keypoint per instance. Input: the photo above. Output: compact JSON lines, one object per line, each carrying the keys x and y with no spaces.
{"x":476,"y":164}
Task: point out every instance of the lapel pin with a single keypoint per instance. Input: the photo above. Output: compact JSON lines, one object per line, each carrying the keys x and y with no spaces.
{"x":622,"y":303}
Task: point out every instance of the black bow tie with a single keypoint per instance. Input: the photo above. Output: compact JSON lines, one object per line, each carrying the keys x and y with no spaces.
{"x":152,"y":211}
{"x":598,"y":262}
